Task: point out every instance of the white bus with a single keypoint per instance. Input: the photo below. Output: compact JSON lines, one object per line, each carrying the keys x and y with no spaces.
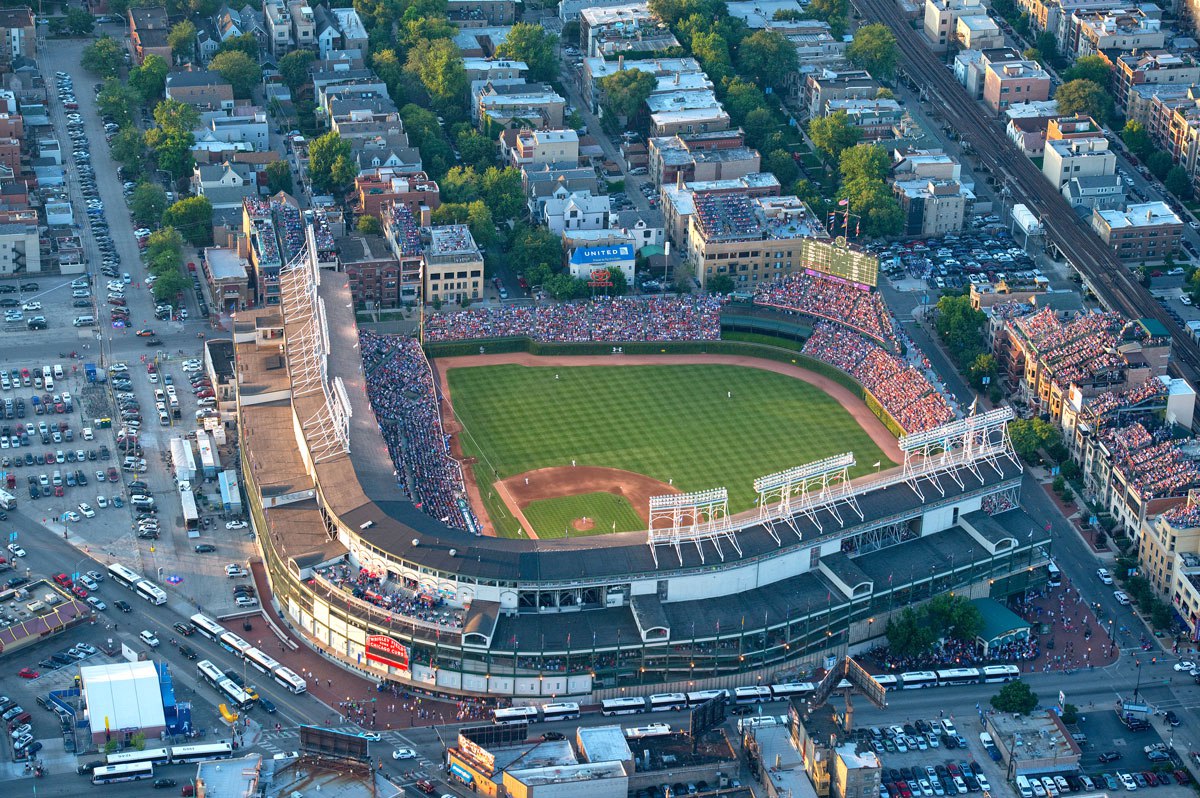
{"x":955,"y":676}
{"x":207,"y":626}
{"x":511,"y":715}
{"x":1053,"y":574}
{"x":125,"y":577}
{"x":211,"y":673}
{"x":649,"y":730}
{"x":667,"y":702}
{"x":288,"y":678}
{"x":913,"y":680}
{"x":236,"y":695}
{"x":234,"y":644}
{"x":151,"y":592}
{"x":263,"y":662}
{"x":566,"y":710}
{"x":111,"y":774}
{"x":751,"y":695}
{"x":780,"y":692}
{"x":630,"y":705}
{"x":698,"y":697}
{"x":155,"y":756}
{"x":888,"y":681}
{"x":187,"y":754}
{"x":1000,"y":673}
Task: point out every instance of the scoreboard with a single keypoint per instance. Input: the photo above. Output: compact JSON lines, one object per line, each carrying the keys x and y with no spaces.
{"x":838,"y":259}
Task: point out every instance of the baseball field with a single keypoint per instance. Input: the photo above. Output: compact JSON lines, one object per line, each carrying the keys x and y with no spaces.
{"x":577,"y":450}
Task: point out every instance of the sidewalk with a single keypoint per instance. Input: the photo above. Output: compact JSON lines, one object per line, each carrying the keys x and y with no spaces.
{"x":1068,"y":633}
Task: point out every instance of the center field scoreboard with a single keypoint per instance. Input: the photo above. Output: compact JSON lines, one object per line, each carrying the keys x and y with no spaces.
{"x":838,"y":259}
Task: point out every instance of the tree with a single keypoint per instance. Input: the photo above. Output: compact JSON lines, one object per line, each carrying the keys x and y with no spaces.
{"x":1070,"y":714}
{"x":1015,"y":697}
{"x":768,"y":57}
{"x":168,"y":286}
{"x":368,"y":226}
{"x":479,"y":220}
{"x":103,"y":57}
{"x":533,"y":246}
{"x":742,"y":98}
{"x":908,"y":633}
{"x":1090,"y":67}
{"x":1029,"y":435}
{"x":192,"y":217}
{"x":242,"y":71}
{"x":74,"y":22}
{"x":438,"y":64}
{"x":832,"y":134}
{"x":720,"y":284}
{"x":149,"y":80}
{"x":868,"y":161}
{"x":173,"y":116}
{"x":712,"y":52}
{"x":324,"y":155}
{"x":953,"y":618}
{"x":1084,"y":98}
{"x":294,"y":67}
{"x":983,"y":367}
{"x":182,"y":40}
{"x":279,"y":177}
{"x":461,"y":184}
{"x":128,"y":147}
{"x":758,"y":125}
{"x":781,"y":164}
{"x":531,"y":43}
{"x":1046,"y":47}
{"x":172,"y":151}
{"x":117,"y":100}
{"x":427,"y":135}
{"x":425,"y":28}
{"x":1137,"y":138}
{"x":872,"y":201}
{"x":1177,"y":182}
{"x":245,"y":43}
{"x":165,"y":242}
{"x":626,"y":91}
{"x":476,"y":149}
{"x":960,"y":327}
{"x":147,"y":204}
{"x":503,"y":192}
{"x":831,"y":11}
{"x":620,"y":285}
{"x":874,"y":49}
{"x":1159,"y":163}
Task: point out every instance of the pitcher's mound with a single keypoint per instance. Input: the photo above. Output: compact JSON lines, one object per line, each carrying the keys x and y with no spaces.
{"x":583,"y":524}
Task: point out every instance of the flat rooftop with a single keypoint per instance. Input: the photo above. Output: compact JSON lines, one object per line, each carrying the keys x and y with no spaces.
{"x":1033,"y":736}
{"x":603,"y":743}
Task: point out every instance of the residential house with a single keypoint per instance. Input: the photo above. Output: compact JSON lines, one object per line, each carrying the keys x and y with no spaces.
{"x":540,"y":183}
{"x":501,"y":103}
{"x":1077,"y":157}
{"x":1027,"y":123}
{"x":148,"y":29}
{"x":200,"y":88}
{"x":304,"y":25}
{"x":485,"y":69}
{"x":224,"y":184}
{"x":1095,"y":193}
{"x":18,"y":32}
{"x":374,"y":189}
{"x":385,"y":152}
{"x":877,"y":119}
{"x":278,"y":21}
{"x":566,"y":211}
{"x":245,"y":125}
{"x":524,"y":147}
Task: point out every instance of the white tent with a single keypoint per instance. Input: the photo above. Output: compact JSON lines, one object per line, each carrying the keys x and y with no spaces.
{"x":123,"y":697}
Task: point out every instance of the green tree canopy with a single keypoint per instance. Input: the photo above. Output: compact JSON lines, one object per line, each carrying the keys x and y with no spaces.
{"x":118,"y":101}
{"x":1084,"y":97}
{"x":166,"y":241}
{"x":438,"y":65}
{"x":781,"y":164}
{"x":831,"y":11}
{"x":149,"y":80}
{"x":1015,"y":697}
{"x":1178,"y":182}
{"x":368,"y":226}
{"x":294,"y":67}
{"x":326,"y":158}
{"x":1137,"y":138}
{"x":1159,"y":163}
{"x":868,"y":161}
{"x":103,"y":57}
{"x":182,"y":40}
{"x":872,"y":201}
{"x":503,"y":192}
{"x":242,"y":71}
{"x":172,"y":151}
{"x":1090,"y":67}
{"x":768,"y":57}
{"x":532,"y":44}
{"x":908,"y":634}
{"x":960,"y":327}
{"x":533,"y":246}
{"x":244,"y":43}
{"x":168,"y":286}
{"x":460,"y":184}
{"x":720,"y":284}
{"x":74,"y":22}
{"x":147,"y":204}
{"x":192,"y":217}
{"x":279,"y":177}
{"x":425,"y":133}
{"x":874,"y":49}
{"x":173,"y":116}
{"x":833,"y":134}
{"x":476,"y":149}
{"x":712,"y":51}
{"x":1029,"y":435}
{"x":626,"y":91}
{"x":742,"y":97}
{"x":128,"y":148}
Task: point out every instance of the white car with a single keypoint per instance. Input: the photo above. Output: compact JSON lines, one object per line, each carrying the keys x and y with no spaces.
{"x":101,"y":502}
{"x":233,"y":569}
{"x":97,"y":603}
{"x":87,"y":510}
{"x":984,"y":784}
{"x":32,"y":306}
{"x":96,"y":576}
{"x":236,"y":524}
{"x":404,"y":753}
{"x":372,"y":736}
{"x":1128,"y":781}
{"x":16,"y":550}
{"x":1185,"y":666}
{"x":88,"y":582}
{"x":72,"y":516}
{"x":1122,"y":598}
{"x":149,"y":638}
{"x":1104,"y":576}
{"x":286,"y":756}
{"x":192,"y":368}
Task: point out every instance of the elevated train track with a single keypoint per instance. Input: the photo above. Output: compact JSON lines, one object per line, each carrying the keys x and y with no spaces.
{"x":1111,"y":281}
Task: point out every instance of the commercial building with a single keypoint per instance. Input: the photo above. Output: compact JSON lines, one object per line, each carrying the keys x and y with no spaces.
{"x":749,"y":239}
{"x":941,"y":20}
{"x":1148,"y":231}
{"x":228,"y":275}
{"x":933,"y":207}
{"x":692,"y":157}
{"x":1169,"y":557}
{"x":122,"y":699}
{"x":1035,"y":743}
{"x":1009,"y":82}
{"x":679,"y":204}
{"x":453,"y":264}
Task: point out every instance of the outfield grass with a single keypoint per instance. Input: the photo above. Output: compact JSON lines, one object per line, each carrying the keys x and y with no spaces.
{"x":551,"y":518}
{"x":672,"y":423}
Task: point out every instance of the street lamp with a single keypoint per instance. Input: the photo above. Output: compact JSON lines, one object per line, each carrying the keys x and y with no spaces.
{"x":1138,"y":685}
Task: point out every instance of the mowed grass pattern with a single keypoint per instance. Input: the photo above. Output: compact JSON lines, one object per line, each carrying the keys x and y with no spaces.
{"x":551,"y":518}
{"x":667,"y":422}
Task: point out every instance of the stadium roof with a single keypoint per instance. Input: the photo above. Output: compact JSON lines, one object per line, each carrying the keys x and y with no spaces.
{"x":123,"y":695}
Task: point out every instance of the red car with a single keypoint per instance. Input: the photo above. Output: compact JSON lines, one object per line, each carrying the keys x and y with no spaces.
{"x":28,"y":673}
{"x":1182,"y":776}
{"x":64,"y":580}
{"x":425,"y":786}
{"x":144,"y":333}
{"x":113,"y":476}
{"x":79,"y":591}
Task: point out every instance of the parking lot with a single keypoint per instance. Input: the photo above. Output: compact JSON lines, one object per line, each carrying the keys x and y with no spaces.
{"x":985,"y":257}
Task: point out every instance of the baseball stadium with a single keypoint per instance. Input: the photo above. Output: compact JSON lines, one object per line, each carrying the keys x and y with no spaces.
{"x":615,"y":496}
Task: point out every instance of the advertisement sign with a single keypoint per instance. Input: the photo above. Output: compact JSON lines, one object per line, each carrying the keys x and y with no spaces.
{"x":385,"y":650}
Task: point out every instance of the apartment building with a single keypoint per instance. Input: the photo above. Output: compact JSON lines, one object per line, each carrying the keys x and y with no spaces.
{"x":631,"y":28}
{"x":1145,"y":232}
{"x":18,"y":34}
{"x":824,"y":85}
{"x":372,"y":270}
{"x":378,"y":188}
{"x":148,"y":29}
{"x":498,"y":104}
{"x":533,"y":148}
{"x":20,"y":250}
{"x":596,"y":69}
{"x":481,"y":13}
{"x":453,"y":264}
{"x":722,"y":155}
{"x":978,"y":32}
{"x":1150,"y":68}
{"x":933,"y":207}
{"x":1009,"y":82}
{"x":1077,"y":157}
{"x":278,"y":20}
{"x":1115,"y":29}
{"x":941,"y":20}
{"x":876,"y":119}
{"x":200,"y":88}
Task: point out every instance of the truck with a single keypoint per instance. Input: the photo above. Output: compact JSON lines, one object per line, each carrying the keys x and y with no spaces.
{"x":94,"y":374}
{"x":7,"y":500}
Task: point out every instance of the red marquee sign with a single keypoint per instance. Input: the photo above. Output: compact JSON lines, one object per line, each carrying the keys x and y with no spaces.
{"x":385,"y":650}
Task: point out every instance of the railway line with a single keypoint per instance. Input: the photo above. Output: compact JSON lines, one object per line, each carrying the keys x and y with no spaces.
{"x":1111,"y":281}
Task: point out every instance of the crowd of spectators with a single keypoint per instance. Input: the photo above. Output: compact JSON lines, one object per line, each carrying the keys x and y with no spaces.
{"x":996,"y":503}
{"x":378,"y":590}
{"x":1100,"y":406}
{"x":402,"y":393}
{"x":1080,"y":349}
{"x":1184,"y":516}
{"x":900,"y":387}
{"x":953,"y":654}
{"x":1153,"y":462}
{"x":826,"y":298}
{"x":617,"y":319}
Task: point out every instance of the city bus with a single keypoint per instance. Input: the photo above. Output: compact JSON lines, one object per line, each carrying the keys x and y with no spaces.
{"x":1053,"y":574}
{"x":151,"y":592}
{"x":781,"y":692}
{"x":234,"y":644}
{"x":510,"y":715}
{"x":667,"y":702}
{"x":914,"y":680}
{"x":999,"y":673}
{"x":630,"y":705}
{"x":887,"y":681}
{"x":955,"y":676}
{"x":698,"y":697}
{"x":187,"y":754}
{"x":111,"y":774}
{"x":751,"y":695}
{"x":236,"y":695}
{"x":288,"y":678}
{"x":263,"y":662}
{"x":155,"y":756}
{"x":207,"y":626}
{"x":649,"y":730}
{"x":125,"y":577}
{"x":211,"y":673}
{"x":566,"y":710}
